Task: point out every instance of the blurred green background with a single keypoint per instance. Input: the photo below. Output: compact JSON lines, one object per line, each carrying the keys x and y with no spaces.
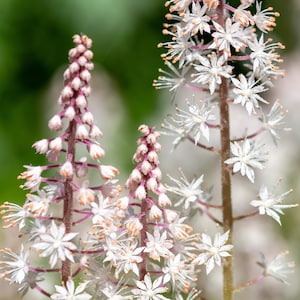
{"x":35,"y":36}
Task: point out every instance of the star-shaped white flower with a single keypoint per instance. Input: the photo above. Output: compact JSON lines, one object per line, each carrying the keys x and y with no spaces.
{"x":212,"y":252}
{"x":247,"y":156}
{"x":269,"y":204}
{"x":69,"y":292}
{"x":56,"y":244}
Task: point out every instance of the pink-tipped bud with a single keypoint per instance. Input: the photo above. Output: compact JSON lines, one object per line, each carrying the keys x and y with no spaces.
{"x":151,"y":184}
{"x":55,"y":123}
{"x":81,"y":101}
{"x":56,"y":144}
{"x":96,"y":151}
{"x":67,"y":92}
{"x":76,"y":83}
{"x":67,"y":74}
{"x":81,"y":132}
{"x":142,"y":149}
{"x":74,"y":67}
{"x":70,"y":113}
{"x":122,"y":203}
{"x":80,"y":48}
{"x":156,"y":173}
{"x":163,"y":200}
{"x":85,"y":195}
{"x":170,"y":215}
{"x":153,"y":157}
{"x":144,"y":129}
{"x":108,"y":172}
{"x":85,"y":75}
{"x":140,"y":192}
{"x":157,"y":147}
{"x":41,"y":146}
{"x":95,"y":132}
{"x":88,"y":118}
{"x":72,"y":53}
{"x":88,"y":54}
{"x":136,"y":175}
{"x":66,"y":170}
{"x":145,"y":167}
{"x":155,"y":213}
{"x":86,"y":90}
{"x":151,"y":138}
{"x":82,"y":61}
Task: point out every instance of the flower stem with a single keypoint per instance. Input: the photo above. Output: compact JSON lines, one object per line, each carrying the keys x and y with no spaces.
{"x":225,"y":173}
{"x":68,"y":201}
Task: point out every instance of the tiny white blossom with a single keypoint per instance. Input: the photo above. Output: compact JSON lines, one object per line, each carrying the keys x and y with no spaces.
{"x":188,"y":191}
{"x":32,"y":176}
{"x":14,"y":214}
{"x":278,"y":267}
{"x":212,"y":252}
{"x":148,"y":290}
{"x":13,"y":266}
{"x":247,"y":155}
{"x":56,"y":244}
{"x":247,"y":91}
{"x":69,"y":292}
{"x":158,"y":245}
{"x":211,"y":70}
{"x":269,"y":204}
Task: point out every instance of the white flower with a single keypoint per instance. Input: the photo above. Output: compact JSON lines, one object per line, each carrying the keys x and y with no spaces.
{"x":230,"y":35}
{"x":212,"y":252}
{"x":264,"y":19}
{"x":188,"y":191}
{"x":246,"y":92}
{"x":197,"y":20}
{"x":69,"y":292}
{"x":157,"y":245}
{"x":211,"y":70}
{"x":148,"y":290}
{"x":13,"y":266}
{"x":32,"y":176}
{"x":278,"y":267}
{"x":14,"y":215}
{"x":273,"y":121}
{"x":246,"y":156}
{"x":270,"y":205}
{"x":56,"y":244}
{"x":196,"y":120}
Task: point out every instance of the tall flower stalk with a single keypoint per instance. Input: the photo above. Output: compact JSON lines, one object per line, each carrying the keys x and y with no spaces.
{"x":221,"y":55}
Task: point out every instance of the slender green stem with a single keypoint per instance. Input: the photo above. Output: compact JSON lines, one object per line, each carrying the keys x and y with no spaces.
{"x":225,"y":173}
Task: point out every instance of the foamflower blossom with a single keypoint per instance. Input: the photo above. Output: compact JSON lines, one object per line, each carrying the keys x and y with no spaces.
{"x":247,"y":155}
{"x":69,"y":292}
{"x":211,"y":253}
{"x":271,"y":205}
{"x":148,"y":290}
{"x":14,"y":267}
{"x":56,"y":244}
{"x":278,"y":268}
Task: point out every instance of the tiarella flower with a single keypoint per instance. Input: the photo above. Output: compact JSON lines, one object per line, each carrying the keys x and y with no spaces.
{"x":68,"y":292}
{"x":269,"y":204}
{"x":188,"y":191}
{"x":38,"y":204}
{"x":41,"y":146}
{"x":66,"y":170}
{"x":197,"y":119}
{"x":247,"y":156}
{"x":230,"y":36}
{"x":85,"y":195}
{"x":179,"y":230}
{"x":14,"y":267}
{"x":158,"y":245}
{"x":179,"y":5}
{"x":212,"y":252}
{"x":197,"y":20}
{"x":278,"y":268}
{"x":211,"y":70}
{"x":273,"y":120}
{"x":247,"y":92}
{"x":108,"y":172}
{"x":148,"y":290}
{"x":192,"y":295}
{"x":56,"y":244}
{"x":170,"y":128}
{"x":178,"y":272}
{"x":13,"y":214}
{"x":264,"y":19}
{"x":32,"y":176}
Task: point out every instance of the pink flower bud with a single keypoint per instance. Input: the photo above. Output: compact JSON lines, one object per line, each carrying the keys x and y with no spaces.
{"x":72,"y":53}
{"x":80,"y":48}
{"x":156,"y":173}
{"x":155,"y":213}
{"x":85,"y":75}
{"x":66,"y":170}
{"x":122,"y":203}
{"x":96,"y":151}
{"x":81,"y":101}
{"x":41,"y":146}
{"x":136,"y":175}
{"x":151,"y":138}
{"x":151,"y":184}
{"x":153,"y":157}
{"x":76,"y":83}
{"x":108,"y":172}
{"x":70,"y":113}
{"x":146,"y":167}
{"x":81,"y":132}
{"x":163,"y":200}
{"x":82,"y":61}
{"x":67,"y":92}
{"x":88,"y":54}
{"x":74,"y":67}
{"x":142,"y":149}
{"x":95,"y":132}
{"x":170,"y":215}
{"x":88,"y":118}
{"x":85,"y":195}
{"x":144,"y":129}
{"x":56,"y":144}
{"x":140,"y":192}
{"x":55,"y":123}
